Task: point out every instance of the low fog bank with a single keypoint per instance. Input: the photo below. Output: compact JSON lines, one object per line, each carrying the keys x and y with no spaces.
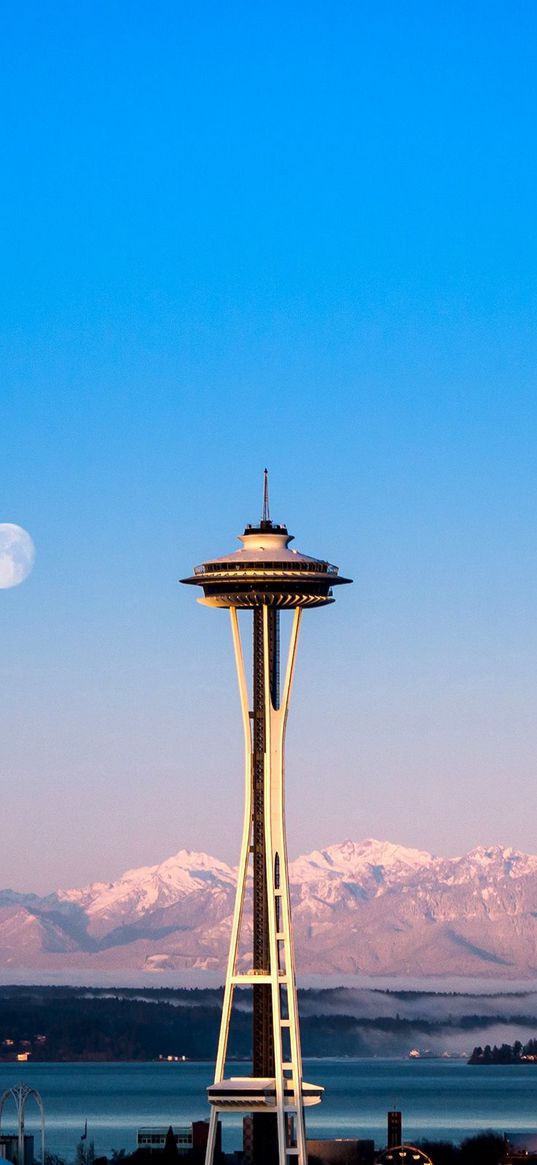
{"x":338,"y":1022}
{"x":399,"y":1042}
{"x":365,"y":1003}
{"x":392,"y":1023}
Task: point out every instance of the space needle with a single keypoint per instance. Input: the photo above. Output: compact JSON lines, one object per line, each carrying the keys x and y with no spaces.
{"x":265,"y":577}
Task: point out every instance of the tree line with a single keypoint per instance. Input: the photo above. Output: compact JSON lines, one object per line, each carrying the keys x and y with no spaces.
{"x":55,"y":1023}
{"x":517,"y":1053}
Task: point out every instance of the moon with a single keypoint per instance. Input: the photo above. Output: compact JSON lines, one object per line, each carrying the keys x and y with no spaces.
{"x":17,"y":554}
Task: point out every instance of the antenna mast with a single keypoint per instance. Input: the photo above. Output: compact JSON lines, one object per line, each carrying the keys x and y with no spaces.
{"x":266,"y":507}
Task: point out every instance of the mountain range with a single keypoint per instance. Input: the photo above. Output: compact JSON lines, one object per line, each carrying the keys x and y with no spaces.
{"x":359,"y":908}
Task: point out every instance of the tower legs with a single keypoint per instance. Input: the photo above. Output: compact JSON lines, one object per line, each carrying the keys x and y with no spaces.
{"x":275,"y":1093}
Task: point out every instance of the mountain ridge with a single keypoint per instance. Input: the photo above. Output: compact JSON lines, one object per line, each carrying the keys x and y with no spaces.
{"x":359,"y":907}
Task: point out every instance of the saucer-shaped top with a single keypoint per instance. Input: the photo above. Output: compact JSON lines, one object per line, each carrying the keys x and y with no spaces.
{"x":266,"y":572}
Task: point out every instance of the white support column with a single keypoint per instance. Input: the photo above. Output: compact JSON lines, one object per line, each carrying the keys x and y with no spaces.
{"x":285,"y":908}
{"x":211,"y":1136}
{"x":231,"y":973}
{"x":279,"y":907}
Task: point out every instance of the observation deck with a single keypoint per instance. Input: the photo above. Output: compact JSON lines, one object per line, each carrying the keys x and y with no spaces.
{"x":266,"y":572}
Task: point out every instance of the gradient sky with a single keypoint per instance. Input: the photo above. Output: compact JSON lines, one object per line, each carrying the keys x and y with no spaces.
{"x":301,"y":236}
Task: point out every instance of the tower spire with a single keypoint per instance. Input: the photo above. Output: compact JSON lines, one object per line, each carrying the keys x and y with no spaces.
{"x":266,"y":508}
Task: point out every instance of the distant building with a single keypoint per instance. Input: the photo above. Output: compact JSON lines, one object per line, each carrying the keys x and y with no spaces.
{"x":336,"y":1151}
{"x":9,"y":1143}
{"x":395,"y":1128}
{"x":341,"y":1151}
{"x":187,"y":1137}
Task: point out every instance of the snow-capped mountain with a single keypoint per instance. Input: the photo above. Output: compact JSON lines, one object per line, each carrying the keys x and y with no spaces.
{"x":188,"y":882}
{"x":366,"y":907}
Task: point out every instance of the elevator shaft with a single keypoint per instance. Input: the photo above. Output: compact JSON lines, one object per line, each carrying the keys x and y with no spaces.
{"x":265,"y":1133}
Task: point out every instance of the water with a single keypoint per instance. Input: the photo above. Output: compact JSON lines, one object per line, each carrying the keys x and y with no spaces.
{"x":438,"y":1098}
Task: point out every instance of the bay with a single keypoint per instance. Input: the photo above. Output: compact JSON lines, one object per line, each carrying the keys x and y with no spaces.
{"x":439,"y":1099}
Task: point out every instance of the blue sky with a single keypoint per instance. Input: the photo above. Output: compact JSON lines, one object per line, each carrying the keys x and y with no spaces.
{"x":301,"y":236}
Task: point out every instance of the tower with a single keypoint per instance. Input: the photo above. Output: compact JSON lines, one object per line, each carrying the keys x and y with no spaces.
{"x":265,"y":577}
{"x":395,"y":1128}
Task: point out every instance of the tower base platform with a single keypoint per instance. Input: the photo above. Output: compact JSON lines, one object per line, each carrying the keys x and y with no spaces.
{"x":252,"y":1093}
